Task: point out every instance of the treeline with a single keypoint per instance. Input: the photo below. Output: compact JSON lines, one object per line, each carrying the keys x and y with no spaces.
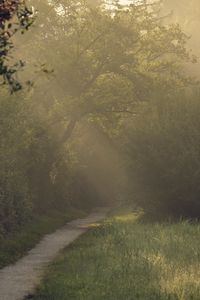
{"x":32,"y":179}
{"x":106,"y":113}
{"x":163,"y":156}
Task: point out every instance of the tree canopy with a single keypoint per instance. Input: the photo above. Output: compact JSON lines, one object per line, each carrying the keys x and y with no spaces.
{"x":111,"y":58}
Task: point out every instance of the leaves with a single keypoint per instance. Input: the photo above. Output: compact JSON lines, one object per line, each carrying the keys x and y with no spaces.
{"x":14,"y":16}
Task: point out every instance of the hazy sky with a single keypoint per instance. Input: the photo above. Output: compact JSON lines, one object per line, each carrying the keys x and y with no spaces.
{"x":126,"y":1}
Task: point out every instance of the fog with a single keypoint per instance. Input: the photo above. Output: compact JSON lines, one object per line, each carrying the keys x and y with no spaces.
{"x":187,"y":14}
{"x":98,"y":109}
{"x":102,"y":110}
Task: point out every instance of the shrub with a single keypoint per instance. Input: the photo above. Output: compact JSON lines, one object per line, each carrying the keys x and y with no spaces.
{"x":163,"y":148}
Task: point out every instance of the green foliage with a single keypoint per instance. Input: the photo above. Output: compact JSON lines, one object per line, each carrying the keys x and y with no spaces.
{"x":163,"y":150}
{"x":15,"y":197}
{"x":14,"y":16}
{"x":35,"y":174}
{"x":27,"y":179}
{"x":107,"y":60}
{"x":124,"y":259}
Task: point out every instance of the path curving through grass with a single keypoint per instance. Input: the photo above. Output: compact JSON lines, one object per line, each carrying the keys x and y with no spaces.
{"x":19,"y":280}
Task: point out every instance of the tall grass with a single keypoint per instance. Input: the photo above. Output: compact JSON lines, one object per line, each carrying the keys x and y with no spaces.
{"x":127,"y":260}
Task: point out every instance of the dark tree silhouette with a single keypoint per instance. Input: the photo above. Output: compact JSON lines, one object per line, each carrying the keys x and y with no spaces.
{"x":14,"y":16}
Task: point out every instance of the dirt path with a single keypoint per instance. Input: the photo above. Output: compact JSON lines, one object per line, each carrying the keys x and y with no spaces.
{"x":20,"y":279}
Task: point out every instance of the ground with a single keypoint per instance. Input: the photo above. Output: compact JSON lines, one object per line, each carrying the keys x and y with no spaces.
{"x":20,"y":279}
{"x":17,"y":244}
{"x":124,"y":258}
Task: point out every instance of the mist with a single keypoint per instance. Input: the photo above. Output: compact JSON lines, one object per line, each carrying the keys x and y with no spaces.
{"x":99,"y":133}
{"x":187,"y":15}
{"x":107,"y":100}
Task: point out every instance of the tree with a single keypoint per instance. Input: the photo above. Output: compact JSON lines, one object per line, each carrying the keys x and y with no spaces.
{"x":187,"y":14}
{"x":109,"y":59}
{"x":14,"y":17}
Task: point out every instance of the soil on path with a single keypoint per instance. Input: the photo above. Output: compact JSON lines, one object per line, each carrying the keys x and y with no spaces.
{"x":19,"y":280}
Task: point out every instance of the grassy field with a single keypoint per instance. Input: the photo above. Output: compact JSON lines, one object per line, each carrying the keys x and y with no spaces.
{"x":14,"y":247}
{"x":125,"y":259}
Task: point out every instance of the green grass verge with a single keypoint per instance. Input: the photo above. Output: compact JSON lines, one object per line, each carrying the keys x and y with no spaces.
{"x":14,"y":247}
{"x":124,"y":259}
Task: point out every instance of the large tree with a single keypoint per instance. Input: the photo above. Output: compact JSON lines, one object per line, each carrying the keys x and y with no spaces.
{"x":110,"y":57}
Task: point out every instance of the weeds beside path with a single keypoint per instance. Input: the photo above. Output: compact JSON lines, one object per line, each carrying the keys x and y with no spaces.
{"x":15,"y":246}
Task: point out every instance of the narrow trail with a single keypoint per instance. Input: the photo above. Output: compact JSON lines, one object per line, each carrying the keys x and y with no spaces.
{"x":20,"y":279}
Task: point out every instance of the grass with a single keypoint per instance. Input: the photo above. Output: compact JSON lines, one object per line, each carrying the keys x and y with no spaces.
{"x":14,"y":247}
{"x":125,"y":259}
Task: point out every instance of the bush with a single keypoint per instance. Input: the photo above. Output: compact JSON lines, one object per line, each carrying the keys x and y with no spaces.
{"x":36,"y":173}
{"x":164,"y":152}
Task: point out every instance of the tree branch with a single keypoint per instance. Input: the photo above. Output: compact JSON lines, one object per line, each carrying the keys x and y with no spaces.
{"x":68,"y":132}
